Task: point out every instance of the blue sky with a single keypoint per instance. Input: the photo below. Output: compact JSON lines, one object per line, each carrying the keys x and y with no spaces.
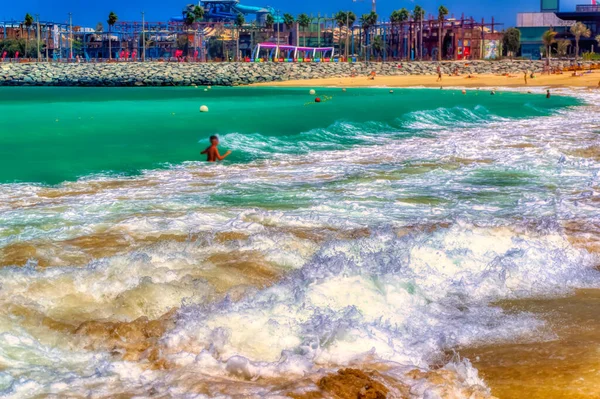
{"x":88,"y":13}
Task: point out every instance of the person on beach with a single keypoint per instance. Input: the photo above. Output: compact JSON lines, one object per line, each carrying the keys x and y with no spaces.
{"x":212,"y":152}
{"x":525,"y":76}
{"x":372,"y":75}
{"x":439,"y":72}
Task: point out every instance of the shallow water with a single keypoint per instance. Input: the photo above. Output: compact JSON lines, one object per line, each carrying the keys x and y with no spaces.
{"x":372,"y":230}
{"x":565,"y":365}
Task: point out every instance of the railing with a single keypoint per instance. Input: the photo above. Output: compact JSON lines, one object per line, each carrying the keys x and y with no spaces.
{"x":587,"y":8}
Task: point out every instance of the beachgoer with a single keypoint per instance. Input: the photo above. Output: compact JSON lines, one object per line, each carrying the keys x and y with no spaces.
{"x":372,"y":75}
{"x":212,"y":152}
{"x":525,"y":76}
{"x":547,"y":93}
{"x":439,"y":72}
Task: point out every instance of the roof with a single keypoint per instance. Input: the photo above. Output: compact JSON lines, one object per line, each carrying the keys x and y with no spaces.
{"x":579,"y":16}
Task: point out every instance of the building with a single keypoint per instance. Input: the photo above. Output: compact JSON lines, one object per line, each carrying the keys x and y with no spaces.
{"x":533,"y":25}
{"x":588,"y":15}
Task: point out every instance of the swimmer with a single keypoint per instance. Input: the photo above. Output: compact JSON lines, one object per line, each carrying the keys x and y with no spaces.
{"x":212,"y":152}
{"x":547,"y":93}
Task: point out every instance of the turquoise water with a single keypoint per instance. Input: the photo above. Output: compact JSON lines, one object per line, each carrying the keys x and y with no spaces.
{"x":372,"y":230}
{"x":63,"y":134}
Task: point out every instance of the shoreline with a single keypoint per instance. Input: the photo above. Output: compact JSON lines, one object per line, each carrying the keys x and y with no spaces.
{"x":566,"y":80}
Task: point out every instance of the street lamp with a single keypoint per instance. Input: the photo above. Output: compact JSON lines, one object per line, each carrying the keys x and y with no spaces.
{"x":143,"y":39}
{"x":70,"y":36}
{"x":277,"y":22}
{"x":37,"y":17}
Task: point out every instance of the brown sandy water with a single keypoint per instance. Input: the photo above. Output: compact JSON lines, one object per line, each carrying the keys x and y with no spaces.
{"x":567,"y":366}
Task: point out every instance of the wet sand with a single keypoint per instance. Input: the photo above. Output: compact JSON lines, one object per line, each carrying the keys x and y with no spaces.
{"x":567,"y":366}
{"x":590,"y":80}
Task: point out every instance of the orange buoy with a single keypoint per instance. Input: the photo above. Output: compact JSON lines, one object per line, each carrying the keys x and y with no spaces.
{"x":317,"y":100}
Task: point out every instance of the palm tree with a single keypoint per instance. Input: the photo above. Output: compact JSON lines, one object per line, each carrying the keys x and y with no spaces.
{"x":397,"y":17}
{"x":304,"y":22}
{"x":112,"y":19}
{"x":351,"y":20}
{"x":404,"y":16}
{"x":27,"y":22}
{"x":578,"y":30}
{"x":418,"y":14}
{"x":288,"y":21}
{"x":192,"y":13}
{"x":549,"y":38}
{"x":269,"y":21}
{"x":239,"y":22}
{"x":188,"y":15}
{"x":442,"y":12}
{"x":198,"y":13}
{"x":367,"y":21}
{"x":340,"y":19}
{"x":378,"y":46}
{"x":562,"y":46}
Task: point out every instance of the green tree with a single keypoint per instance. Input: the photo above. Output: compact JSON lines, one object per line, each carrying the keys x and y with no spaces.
{"x":239,"y":22}
{"x":511,"y":41}
{"x":340,"y":19}
{"x":112,"y":19}
{"x":442,"y":12}
{"x":351,"y":19}
{"x":397,"y":18}
{"x":183,"y":42}
{"x":350,"y":24}
{"x":579,"y":30}
{"x":367,"y":21}
{"x":304,"y":22}
{"x":548,"y":38}
{"x":198,"y":13}
{"x":27,"y":22}
{"x":288,"y":21}
{"x":192,"y":13}
{"x":378,"y":45}
{"x":11,"y":46}
{"x":418,"y":15}
{"x":562,"y":47}
{"x":269,"y":21}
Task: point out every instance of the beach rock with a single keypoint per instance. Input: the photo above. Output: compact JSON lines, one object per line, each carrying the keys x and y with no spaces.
{"x":229,"y":74}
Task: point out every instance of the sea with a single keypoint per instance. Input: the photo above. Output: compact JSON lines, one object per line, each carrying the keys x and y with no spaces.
{"x":433,"y":243}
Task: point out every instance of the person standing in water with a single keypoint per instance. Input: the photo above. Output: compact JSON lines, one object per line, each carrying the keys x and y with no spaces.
{"x":212,"y":152}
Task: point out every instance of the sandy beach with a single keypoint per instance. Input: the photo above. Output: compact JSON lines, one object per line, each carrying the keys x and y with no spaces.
{"x":591,"y":80}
